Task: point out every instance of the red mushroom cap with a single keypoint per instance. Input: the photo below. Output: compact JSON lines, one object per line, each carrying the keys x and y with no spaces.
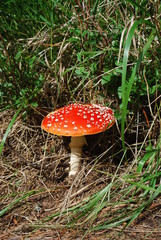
{"x":78,"y":120}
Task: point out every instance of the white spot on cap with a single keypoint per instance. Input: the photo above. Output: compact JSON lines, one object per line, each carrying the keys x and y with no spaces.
{"x":84,"y":116}
{"x":49,"y":125}
{"x":73,"y":122}
{"x":92,"y":119}
{"x":75,"y":128}
{"x":65,"y":126}
{"x":56,"y":120}
{"x":89,"y":126}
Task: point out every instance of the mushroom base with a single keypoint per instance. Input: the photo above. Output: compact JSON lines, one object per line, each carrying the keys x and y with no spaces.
{"x":76,"y":151}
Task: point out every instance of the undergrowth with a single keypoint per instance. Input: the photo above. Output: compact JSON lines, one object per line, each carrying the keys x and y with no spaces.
{"x":107,"y":52}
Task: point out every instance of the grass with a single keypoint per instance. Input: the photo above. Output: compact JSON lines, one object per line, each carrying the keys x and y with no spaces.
{"x":57,"y":52}
{"x":131,"y":204}
{"x":8,"y":130}
{"x":127,"y":85}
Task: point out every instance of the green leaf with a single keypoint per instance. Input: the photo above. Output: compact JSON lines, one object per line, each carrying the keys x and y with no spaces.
{"x":73,"y":40}
{"x":106,"y":79}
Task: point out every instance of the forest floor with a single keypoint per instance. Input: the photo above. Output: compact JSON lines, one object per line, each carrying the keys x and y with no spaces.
{"x":43,"y":176}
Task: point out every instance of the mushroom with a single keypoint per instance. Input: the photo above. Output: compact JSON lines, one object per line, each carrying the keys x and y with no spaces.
{"x":77,"y":120}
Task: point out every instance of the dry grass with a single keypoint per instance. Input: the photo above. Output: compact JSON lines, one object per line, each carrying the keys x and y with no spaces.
{"x":34,"y":183}
{"x":33,"y":160}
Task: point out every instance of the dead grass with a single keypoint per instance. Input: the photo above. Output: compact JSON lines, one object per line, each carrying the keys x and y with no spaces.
{"x":34,"y":165}
{"x":33,"y":160}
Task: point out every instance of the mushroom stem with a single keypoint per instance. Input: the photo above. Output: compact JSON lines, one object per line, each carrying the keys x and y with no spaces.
{"x":76,"y":151}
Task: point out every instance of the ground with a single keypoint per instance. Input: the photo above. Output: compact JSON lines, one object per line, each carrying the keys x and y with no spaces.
{"x":34,"y":170}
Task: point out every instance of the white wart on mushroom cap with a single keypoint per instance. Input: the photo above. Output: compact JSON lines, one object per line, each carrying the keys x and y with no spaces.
{"x":78,"y":120}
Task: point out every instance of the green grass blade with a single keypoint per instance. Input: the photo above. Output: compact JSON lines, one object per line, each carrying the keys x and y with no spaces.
{"x":33,"y":192}
{"x":144,"y":159}
{"x":142,"y":186}
{"x":135,"y":4}
{"x":124,"y":72}
{"x":141,"y":56}
{"x":144,"y":205}
{"x":9,"y":128}
{"x":94,"y":10}
{"x":126,"y":86}
{"x":92,"y":204}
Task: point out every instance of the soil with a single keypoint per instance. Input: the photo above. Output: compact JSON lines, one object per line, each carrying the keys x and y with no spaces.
{"x":32,"y":161}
